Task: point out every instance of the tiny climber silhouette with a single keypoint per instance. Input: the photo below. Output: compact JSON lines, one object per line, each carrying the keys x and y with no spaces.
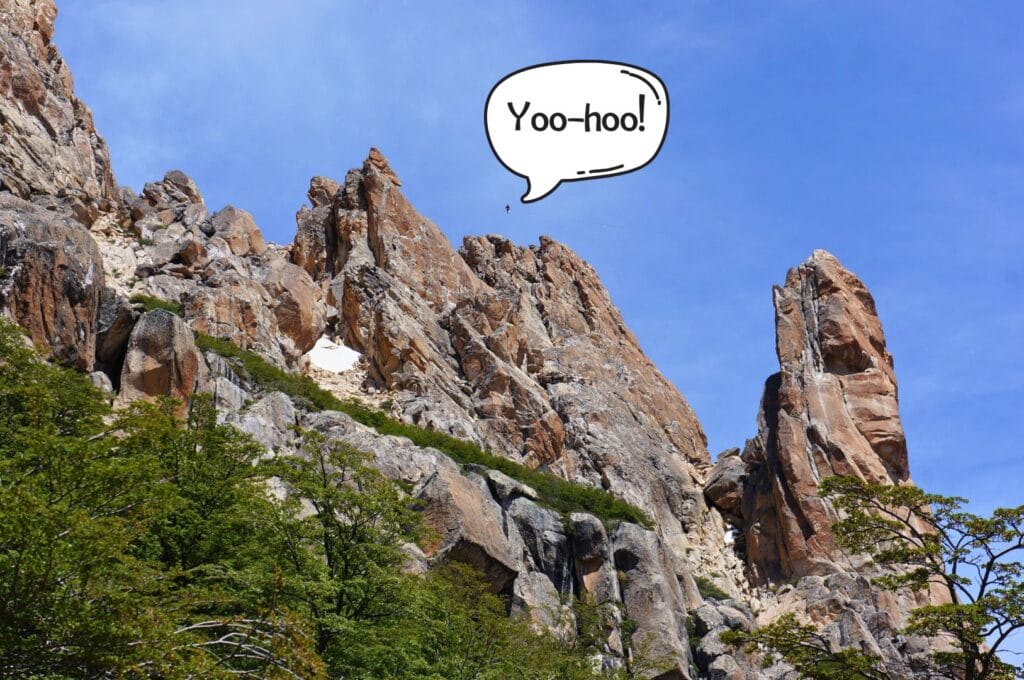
{"x":507,"y":209}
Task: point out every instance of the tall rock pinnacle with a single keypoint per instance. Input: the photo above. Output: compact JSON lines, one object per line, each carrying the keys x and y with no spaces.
{"x":831,"y":410}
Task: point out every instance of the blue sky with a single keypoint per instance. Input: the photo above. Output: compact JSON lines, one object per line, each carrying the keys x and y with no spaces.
{"x":891,"y":134}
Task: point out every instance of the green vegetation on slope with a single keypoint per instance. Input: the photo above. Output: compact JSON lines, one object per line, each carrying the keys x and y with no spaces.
{"x":138,"y":545}
{"x":555,"y":492}
{"x":149,"y":303}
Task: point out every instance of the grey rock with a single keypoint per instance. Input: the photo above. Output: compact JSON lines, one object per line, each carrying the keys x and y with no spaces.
{"x":735,"y":619}
{"x":706,"y":618}
{"x":545,"y":540}
{"x":470,"y":525}
{"x":533,"y":595}
{"x":397,"y":457}
{"x":725,"y":668}
{"x":651,"y":592}
{"x":724,"y":488}
{"x":271,"y":420}
{"x":102,"y":381}
{"x":710,"y":648}
{"x":504,"y":487}
{"x":592,"y":553}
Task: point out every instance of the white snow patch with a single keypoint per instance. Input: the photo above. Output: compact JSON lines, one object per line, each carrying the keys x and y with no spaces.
{"x":730,"y":537}
{"x":330,"y":356}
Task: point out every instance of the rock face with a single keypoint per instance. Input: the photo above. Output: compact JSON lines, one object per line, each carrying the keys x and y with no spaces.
{"x":48,"y":144}
{"x":831,"y":410}
{"x":51,"y":279}
{"x":294,"y":299}
{"x":54,"y":175}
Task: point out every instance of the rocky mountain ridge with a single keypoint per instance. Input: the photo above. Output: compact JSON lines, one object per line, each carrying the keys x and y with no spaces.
{"x":517,"y":349}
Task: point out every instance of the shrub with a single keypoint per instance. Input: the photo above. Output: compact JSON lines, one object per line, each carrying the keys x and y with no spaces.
{"x":554,"y":491}
{"x":708,"y":590}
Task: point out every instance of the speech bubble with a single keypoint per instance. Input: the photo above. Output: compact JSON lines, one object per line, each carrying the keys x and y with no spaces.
{"x":569,"y":121}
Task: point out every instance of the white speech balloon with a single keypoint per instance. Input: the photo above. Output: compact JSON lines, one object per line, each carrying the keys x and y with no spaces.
{"x":569,"y":121}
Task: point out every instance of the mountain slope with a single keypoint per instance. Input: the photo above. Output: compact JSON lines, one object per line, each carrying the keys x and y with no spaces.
{"x":518,"y":350}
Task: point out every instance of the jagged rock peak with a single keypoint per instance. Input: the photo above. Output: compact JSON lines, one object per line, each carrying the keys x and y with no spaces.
{"x":375,"y":161}
{"x":518,"y":348}
{"x":841,"y":326}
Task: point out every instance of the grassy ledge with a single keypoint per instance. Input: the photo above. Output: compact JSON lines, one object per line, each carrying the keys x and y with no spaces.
{"x":555,"y":492}
{"x":149,"y":303}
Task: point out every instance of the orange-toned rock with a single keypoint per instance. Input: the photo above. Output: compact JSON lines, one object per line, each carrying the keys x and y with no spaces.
{"x":316,"y":239}
{"x":51,"y":279}
{"x":831,"y":410}
{"x":237,"y":308}
{"x":239,"y":230}
{"x":192,"y":253}
{"x":520,"y":349}
{"x":469,"y":526}
{"x":296,"y":304}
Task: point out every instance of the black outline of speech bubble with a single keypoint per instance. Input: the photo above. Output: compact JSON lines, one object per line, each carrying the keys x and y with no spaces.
{"x":590,"y":174}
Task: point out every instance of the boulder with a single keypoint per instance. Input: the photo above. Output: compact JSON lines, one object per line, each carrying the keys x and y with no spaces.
{"x":237,"y":308}
{"x":271,"y":420}
{"x":296,"y":303}
{"x":469,"y":526}
{"x":546,"y":543}
{"x":534,"y":596}
{"x":239,"y":230}
{"x":592,"y":558}
{"x":161,"y":359}
{"x":175,"y":198}
{"x":724,"y":486}
{"x":502,"y":486}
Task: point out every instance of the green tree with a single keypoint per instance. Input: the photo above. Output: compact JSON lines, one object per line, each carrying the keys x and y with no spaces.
{"x":339,"y":532}
{"x":921,"y":541}
{"x":218,"y":579}
{"x":460,"y":630}
{"x":70,"y":507}
{"x":136,"y":544}
{"x":118,"y":547}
